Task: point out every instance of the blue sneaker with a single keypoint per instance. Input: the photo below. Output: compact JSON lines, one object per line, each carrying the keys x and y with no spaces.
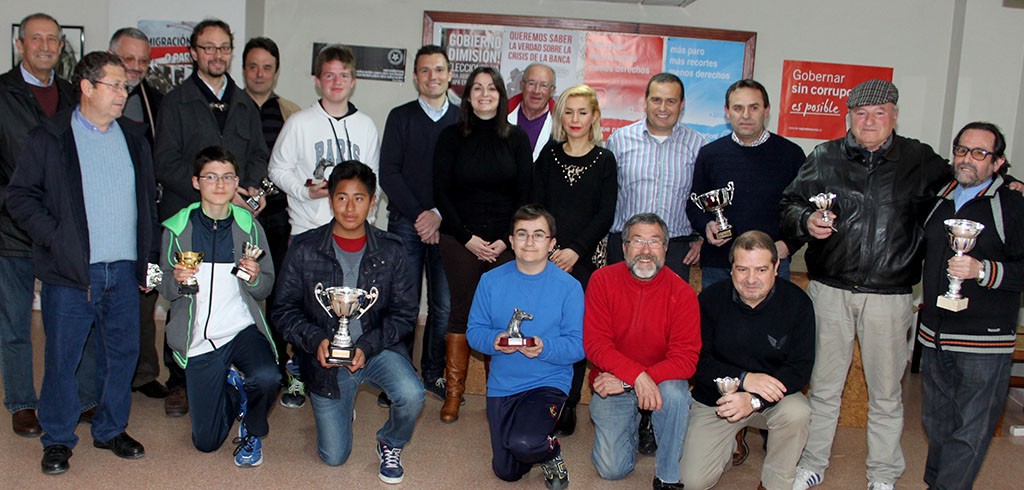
{"x":235,"y":379}
{"x":391,"y":470}
{"x":249,"y":452}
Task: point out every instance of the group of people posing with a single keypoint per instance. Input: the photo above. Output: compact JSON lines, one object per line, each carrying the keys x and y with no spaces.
{"x":543,"y":248}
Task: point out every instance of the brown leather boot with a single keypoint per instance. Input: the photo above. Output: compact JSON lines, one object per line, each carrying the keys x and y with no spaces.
{"x":456,"y":366}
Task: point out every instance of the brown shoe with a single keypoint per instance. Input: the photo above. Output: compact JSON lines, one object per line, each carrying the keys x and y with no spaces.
{"x":86,"y":416}
{"x":742,"y":449}
{"x":176,"y":403}
{"x":25,"y":423}
{"x":456,"y":366}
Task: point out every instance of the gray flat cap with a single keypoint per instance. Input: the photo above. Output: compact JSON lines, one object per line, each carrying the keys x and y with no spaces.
{"x":872,"y":92}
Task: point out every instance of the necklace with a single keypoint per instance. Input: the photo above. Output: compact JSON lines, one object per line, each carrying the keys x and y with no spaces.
{"x":571,"y":172}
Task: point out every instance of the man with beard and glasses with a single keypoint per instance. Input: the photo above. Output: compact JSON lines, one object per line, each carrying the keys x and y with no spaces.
{"x":641,"y":331}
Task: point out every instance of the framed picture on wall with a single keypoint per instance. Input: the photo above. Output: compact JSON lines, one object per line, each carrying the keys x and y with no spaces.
{"x":74,"y":48}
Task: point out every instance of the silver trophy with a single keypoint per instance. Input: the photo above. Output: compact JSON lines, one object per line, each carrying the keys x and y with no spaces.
{"x":319,"y":171}
{"x":515,"y":335}
{"x":249,"y":251}
{"x":154,"y":276}
{"x":713,"y":202}
{"x":267,"y":188}
{"x":727,"y":386}
{"x":963,"y":235}
{"x":344,"y":303}
{"x":824,"y":202}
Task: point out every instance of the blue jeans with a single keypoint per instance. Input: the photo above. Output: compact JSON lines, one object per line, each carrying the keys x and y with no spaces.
{"x":964,"y":394}
{"x":711,"y":275}
{"x":420,"y":256}
{"x":112,"y":304}
{"x":616,"y":420}
{"x":213,"y":403}
{"x":388,"y":371}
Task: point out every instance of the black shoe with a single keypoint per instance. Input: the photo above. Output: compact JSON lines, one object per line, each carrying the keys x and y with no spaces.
{"x":566,"y":424}
{"x":55,"y":459}
{"x":153,"y":389}
{"x":383,"y":401}
{"x":647,"y":445}
{"x":660,"y":485}
{"x":176,"y":403}
{"x":123,"y":446}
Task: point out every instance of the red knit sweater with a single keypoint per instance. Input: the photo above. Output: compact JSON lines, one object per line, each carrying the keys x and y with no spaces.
{"x":631,"y":326}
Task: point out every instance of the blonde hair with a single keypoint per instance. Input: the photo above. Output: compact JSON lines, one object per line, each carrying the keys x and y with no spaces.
{"x":557,"y":132}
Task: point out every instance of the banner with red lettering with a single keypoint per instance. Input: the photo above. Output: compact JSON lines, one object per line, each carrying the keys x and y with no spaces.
{"x":618,"y":68}
{"x":813,"y":100}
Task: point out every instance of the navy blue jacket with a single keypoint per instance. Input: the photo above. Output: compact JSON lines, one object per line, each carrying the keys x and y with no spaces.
{"x":305,"y":324}
{"x":45,"y":199}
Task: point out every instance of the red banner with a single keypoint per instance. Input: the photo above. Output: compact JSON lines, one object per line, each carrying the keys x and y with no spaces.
{"x":813,"y":101}
{"x":618,"y":68}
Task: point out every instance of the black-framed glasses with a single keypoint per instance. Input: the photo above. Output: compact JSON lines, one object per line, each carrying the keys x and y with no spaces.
{"x":978,"y":154}
{"x":214,"y":49}
{"x":114,"y":86}
{"x":537,"y":236}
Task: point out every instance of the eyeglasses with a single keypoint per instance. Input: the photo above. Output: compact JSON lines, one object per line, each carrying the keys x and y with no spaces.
{"x":532,"y":84}
{"x":537,"y":236}
{"x":639,"y":243}
{"x":978,"y":154}
{"x":114,"y":86}
{"x":212,"y":179}
{"x":215,"y":49}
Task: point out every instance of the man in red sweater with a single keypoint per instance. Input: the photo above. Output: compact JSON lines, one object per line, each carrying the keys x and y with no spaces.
{"x":641,"y":331}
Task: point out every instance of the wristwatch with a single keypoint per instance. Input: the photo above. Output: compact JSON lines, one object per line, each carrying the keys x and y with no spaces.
{"x":755,"y":402}
{"x":981,"y":273}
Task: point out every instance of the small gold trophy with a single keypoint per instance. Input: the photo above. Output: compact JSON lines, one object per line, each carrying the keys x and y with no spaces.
{"x":190,"y":260}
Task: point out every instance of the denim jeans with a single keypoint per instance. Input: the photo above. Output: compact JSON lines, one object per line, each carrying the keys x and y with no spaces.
{"x":388,"y":371}
{"x":214,"y":404}
{"x":964,"y":394}
{"x":16,"y":285}
{"x":420,"y":256}
{"x":616,"y":420}
{"x":112,"y":304}
{"x":711,"y":275}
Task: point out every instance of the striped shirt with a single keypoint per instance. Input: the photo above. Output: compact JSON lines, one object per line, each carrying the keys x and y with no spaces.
{"x":654,"y":177}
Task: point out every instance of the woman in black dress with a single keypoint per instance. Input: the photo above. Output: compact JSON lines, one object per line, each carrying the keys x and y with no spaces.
{"x":575,"y":180}
{"x":483,"y":168}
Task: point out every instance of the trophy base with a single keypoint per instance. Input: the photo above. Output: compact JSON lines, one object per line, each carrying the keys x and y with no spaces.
{"x":951,"y":304}
{"x":312,"y":182}
{"x":723,"y":234}
{"x":188,"y":289}
{"x":340,"y":356}
{"x":253,"y":202}
{"x":517,"y":342}
{"x":241,"y":274}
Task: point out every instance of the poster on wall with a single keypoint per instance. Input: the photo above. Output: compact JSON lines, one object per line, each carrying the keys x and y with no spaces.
{"x":372,"y":62}
{"x":73,"y":38}
{"x":169,"y":59}
{"x":616,"y":59}
{"x":813,"y":100}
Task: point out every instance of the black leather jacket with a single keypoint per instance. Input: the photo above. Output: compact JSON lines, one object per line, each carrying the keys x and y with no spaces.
{"x":19,"y":113}
{"x":882,"y":199}
{"x":304,"y":323}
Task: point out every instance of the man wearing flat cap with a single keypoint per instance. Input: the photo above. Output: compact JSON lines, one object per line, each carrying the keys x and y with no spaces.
{"x":863,"y":256}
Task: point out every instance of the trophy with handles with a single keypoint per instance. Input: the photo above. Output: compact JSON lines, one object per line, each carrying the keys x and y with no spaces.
{"x":345,"y":303}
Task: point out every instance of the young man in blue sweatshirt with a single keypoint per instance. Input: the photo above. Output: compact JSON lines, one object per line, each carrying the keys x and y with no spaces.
{"x":221,"y":325}
{"x":528,"y":384}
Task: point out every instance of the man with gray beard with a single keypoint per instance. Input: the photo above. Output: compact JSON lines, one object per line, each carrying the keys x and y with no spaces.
{"x":641,"y":331}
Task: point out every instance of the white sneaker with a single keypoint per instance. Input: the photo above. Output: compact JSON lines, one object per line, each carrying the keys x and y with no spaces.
{"x":806,"y":478}
{"x":877,"y":485}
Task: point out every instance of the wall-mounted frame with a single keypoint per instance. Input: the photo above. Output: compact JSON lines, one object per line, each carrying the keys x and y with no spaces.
{"x":74,"y":49}
{"x":615,"y":58}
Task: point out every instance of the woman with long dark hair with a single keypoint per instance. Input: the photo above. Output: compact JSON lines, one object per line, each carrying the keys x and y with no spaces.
{"x":483,"y":169}
{"x":576,"y":182}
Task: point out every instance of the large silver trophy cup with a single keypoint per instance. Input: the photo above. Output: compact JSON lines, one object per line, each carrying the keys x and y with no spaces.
{"x":713,"y":202}
{"x":345,"y":303}
{"x":963,"y":234}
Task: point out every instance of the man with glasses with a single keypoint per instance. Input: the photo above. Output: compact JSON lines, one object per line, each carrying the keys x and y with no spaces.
{"x":84,"y":192}
{"x":221,"y":325}
{"x":531,"y":108}
{"x":862,"y":264}
{"x":965,"y":365}
{"x":207,"y":109}
{"x":642,"y":334}
{"x":528,"y":382}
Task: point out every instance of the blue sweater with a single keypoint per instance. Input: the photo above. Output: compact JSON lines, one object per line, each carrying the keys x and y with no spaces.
{"x":555,"y":300}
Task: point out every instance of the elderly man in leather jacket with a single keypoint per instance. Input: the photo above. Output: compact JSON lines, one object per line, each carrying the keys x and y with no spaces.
{"x":862,"y":264}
